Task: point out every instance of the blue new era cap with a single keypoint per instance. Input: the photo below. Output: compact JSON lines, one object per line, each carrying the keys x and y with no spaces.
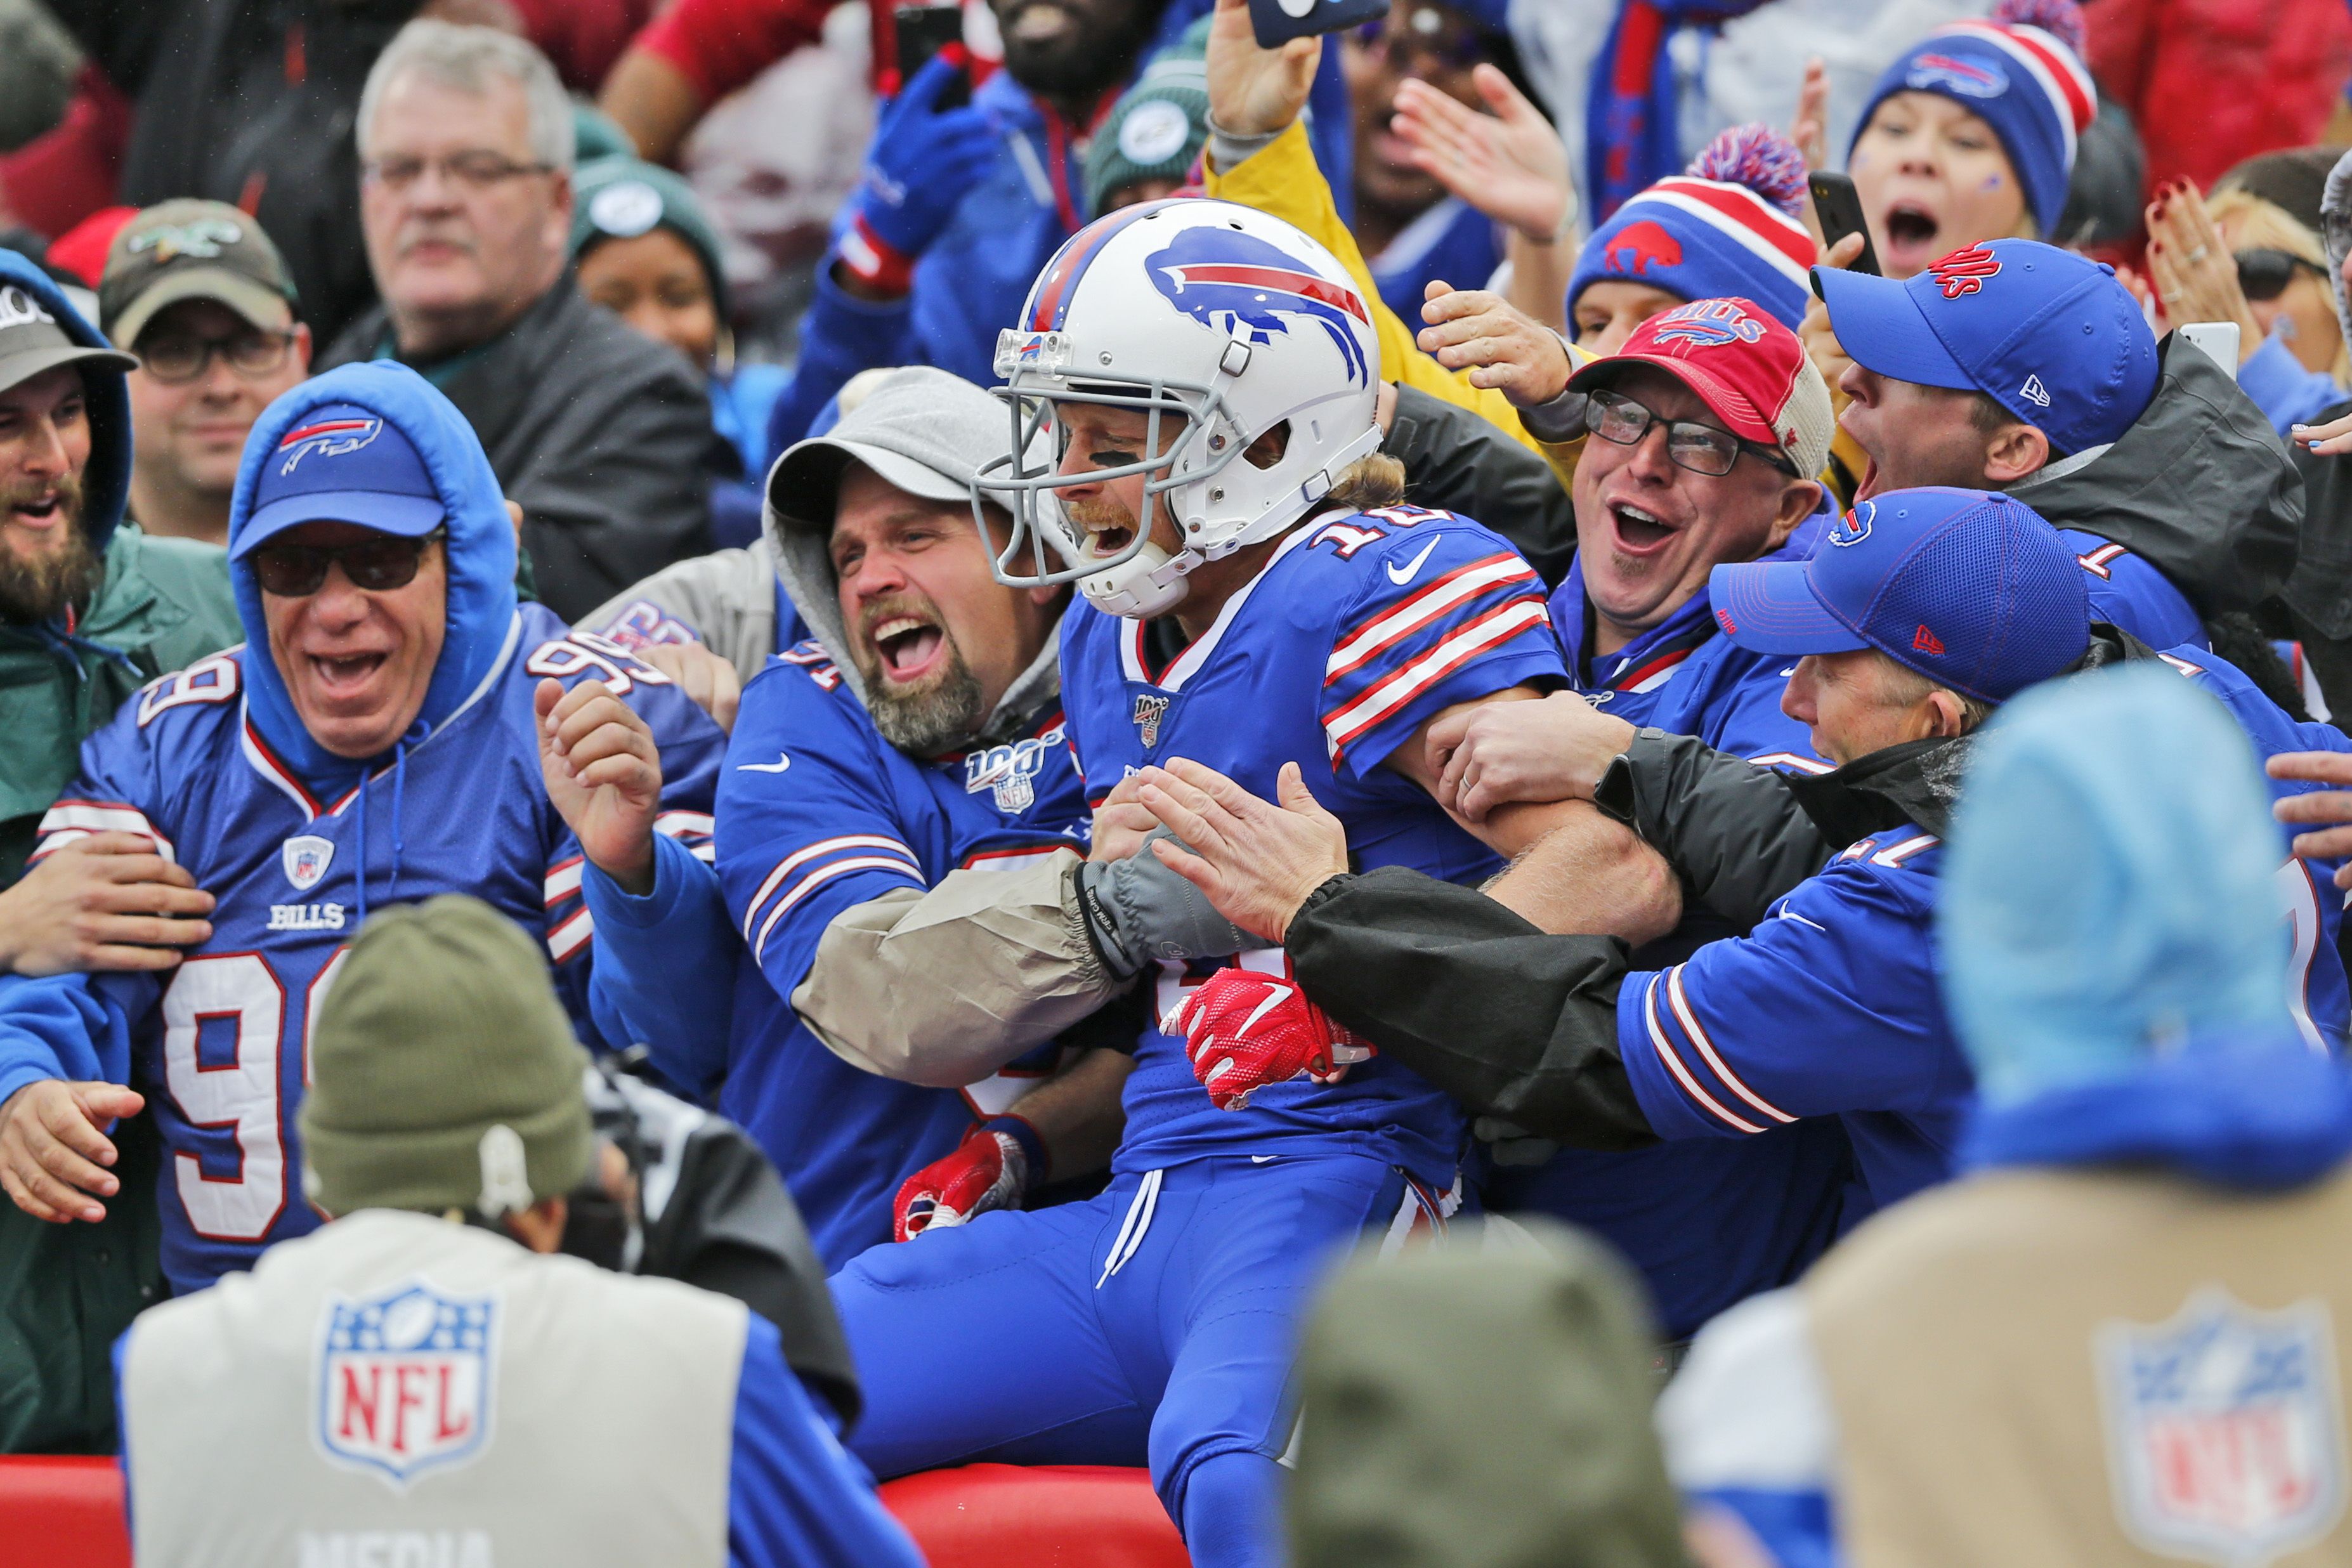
{"x":343,"y":463}
{"x":2049,"y":335}
{"x":1970,"y":588}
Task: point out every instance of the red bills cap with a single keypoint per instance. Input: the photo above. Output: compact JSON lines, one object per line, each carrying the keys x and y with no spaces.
{"x":1749,"y":368}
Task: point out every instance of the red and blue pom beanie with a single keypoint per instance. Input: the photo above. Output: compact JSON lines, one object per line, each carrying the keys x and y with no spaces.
{"x":1729,"y":228}
{"x":2022,"y":73}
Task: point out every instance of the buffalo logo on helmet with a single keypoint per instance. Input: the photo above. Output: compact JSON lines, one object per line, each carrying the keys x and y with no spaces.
{"x":1854,"y":526}
{"x":1227,"y":280}
{"x":1964,"y":271}
{"x":1707,"y":324}
{"x":327,"y":438}
{"x":406,"y":1378}
{"x":1970,"y":78}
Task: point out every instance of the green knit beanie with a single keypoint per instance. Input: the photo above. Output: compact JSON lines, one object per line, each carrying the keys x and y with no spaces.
{"x":445,"y":1075}
{"x":1154,"y":132}
{"x":621,"y":198}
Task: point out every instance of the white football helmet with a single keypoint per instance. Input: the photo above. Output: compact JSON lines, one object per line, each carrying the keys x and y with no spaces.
{"x":1220,"y":316}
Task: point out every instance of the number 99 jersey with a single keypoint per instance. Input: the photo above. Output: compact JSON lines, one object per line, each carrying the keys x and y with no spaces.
{"x":1361,"y":628}
{"x":221,"y":1045}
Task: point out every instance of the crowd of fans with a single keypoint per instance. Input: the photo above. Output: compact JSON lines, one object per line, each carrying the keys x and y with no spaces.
{"x":1153,"y":829}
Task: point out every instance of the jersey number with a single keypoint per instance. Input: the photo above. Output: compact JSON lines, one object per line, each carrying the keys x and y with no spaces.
{"x":242,"y":994}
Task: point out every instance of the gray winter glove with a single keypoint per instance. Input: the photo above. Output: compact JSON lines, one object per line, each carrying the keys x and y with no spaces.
{"x":1138,"y":911}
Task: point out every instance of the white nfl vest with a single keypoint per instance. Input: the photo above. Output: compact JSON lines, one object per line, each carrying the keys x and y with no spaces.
{"x":395,"y":1390}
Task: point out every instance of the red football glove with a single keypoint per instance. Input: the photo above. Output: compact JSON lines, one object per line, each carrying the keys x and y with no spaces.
{"x":1244,"y":1030}
{"x":989,"y":1170}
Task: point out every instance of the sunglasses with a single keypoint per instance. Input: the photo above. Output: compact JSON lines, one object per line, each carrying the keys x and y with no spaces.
{"x":2264,"y":274}
{"x":1701,"y":448}
{"x":374,"y":565}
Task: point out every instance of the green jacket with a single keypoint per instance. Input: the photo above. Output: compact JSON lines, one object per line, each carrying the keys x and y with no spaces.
{"x":67,"y":1291}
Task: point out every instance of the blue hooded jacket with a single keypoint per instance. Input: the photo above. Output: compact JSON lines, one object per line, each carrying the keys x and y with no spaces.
{"x":2116,"y":964}
{"x":480,"y":549}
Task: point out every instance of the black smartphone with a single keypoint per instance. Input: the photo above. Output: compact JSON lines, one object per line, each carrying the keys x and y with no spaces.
{"x":923,"y":31}
{"x":1839,"y":207}
{"x":1276,"y":22}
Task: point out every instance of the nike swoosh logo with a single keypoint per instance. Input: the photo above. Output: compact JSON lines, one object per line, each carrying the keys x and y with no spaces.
{"x":1274,"y":997}
{"x":779,"y":766}
{"x":1264,"y":1159}
{"x":1412,"y":567}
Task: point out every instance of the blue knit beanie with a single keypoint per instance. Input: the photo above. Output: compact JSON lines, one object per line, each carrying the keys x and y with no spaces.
{"x":1728,"y":229}
{"x":2022,"y":73}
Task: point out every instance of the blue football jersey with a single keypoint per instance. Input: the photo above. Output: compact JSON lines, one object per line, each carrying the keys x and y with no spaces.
{"x":221,"y":1045}
{"x":1832,"y":1006}
{"x":2127,"y":592}
{"x":818,"y":814}
{"x":1360,"y":629}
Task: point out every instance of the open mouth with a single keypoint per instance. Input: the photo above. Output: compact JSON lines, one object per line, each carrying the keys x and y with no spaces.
{"x":1104,"y":542}
{"x":38,"y":513}
{"x":1911,"y":228}
{"x":1639,"y":531}
{"x":1039,"y":22}
{"x":347,"y":673}
{"x":907,"y":645}
{"x":1869,"y":485}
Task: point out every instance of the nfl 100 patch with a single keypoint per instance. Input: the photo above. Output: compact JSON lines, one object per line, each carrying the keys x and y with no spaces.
{"x":406,"y":1378}
{"x":2225,"y":1429}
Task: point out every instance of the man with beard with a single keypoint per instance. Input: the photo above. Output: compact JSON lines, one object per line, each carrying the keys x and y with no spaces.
{"x":960,"y":207}
{"x":91,"y":608}
{"x":595,"y":431}
{"x":913,"y":744}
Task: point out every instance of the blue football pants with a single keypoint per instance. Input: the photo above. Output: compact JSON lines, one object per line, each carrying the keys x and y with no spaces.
{"x":1153,"y":1325}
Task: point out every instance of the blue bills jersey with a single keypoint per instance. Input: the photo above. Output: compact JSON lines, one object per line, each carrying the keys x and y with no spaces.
{"x":819,"y":814}
{"x":1360,"y":629}
{"x":2126,"y":592}
{"x":1830,"y":1005}
{"x":221,"y":1045}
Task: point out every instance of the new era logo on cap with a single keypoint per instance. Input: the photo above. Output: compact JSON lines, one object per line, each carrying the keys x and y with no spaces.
{"x":2033,"y":392}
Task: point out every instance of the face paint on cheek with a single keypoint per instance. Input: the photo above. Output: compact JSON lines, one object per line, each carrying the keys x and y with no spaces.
{"x":1992,"y":183}
{"x":1857,"y":162}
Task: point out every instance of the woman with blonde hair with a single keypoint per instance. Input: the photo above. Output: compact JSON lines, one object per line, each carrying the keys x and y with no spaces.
{"x":2238,"y":258}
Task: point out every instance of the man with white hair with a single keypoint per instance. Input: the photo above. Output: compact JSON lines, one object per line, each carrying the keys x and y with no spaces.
{"x":598,"y":434}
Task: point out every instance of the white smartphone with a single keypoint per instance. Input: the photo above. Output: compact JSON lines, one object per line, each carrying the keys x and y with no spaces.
{"x":2218,"y":339}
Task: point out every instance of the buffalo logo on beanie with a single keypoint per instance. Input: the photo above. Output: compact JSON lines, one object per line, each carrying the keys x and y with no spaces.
{"x":1727,"y":226}
{"x":2022,"y":73}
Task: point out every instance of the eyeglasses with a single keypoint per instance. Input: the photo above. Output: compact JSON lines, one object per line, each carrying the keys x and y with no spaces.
{"x":1701,"y":448}
{"x":175,"y":360}
{"x":376,"y":565}
{"x":474,"y":170}
{"x":1418,"y":38}
{"x":2264,"y":273}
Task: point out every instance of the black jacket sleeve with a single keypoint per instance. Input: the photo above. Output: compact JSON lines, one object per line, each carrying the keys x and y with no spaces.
{"x":1456,"y":460}
{"x":1511,"y":1022}
{"x":1736,"y":834}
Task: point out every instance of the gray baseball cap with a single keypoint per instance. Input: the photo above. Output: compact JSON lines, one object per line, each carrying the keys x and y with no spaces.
{"x":32,"y":340}
{"x":922,"y":430}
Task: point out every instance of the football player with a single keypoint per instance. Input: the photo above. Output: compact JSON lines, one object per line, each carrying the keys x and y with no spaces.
{"x":395,"y":725}
{"x":1202,"y":376}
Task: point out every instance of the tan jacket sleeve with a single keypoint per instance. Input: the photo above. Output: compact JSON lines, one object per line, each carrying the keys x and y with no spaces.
{"x":944,"y":987}
{"x":1283,"y":180}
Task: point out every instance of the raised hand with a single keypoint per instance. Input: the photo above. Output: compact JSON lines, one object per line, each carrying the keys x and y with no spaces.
{"x":1509,"y":164}
{"x":1254,"y":860}
{"x":603,"y":775}
{"x":1254,"y":91}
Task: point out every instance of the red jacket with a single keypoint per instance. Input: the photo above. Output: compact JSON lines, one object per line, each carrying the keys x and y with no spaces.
{"x":2210,"y":82}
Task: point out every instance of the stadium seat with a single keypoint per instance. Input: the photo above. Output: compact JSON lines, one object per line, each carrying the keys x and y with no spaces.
{"x":60,"y":1512}
{"x":1040,"y":1516}
{"x":57,"y":1513}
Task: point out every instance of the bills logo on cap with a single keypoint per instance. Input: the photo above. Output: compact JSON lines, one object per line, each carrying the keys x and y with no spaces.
{"x":2224,"y":1431}
{"x":1707,"y":324}
{"x":305,"y":859}
{"x":1226,"y":281}
{"x":405,"y":1381}
{"x":1854,"y":526}
{"x":328,"y":438}
{"x":1972,"y":79}
{"x":1965,"y":271}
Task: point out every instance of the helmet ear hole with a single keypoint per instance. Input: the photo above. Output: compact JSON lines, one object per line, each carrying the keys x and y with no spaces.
{"x":1268,"y":448}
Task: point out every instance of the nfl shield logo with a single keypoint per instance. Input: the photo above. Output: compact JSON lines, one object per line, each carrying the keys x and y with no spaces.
{"x":305,"y":858}
{"x":2224,"y":1429}
{"x":1149,"y":712}
{"x":405,"y":1381}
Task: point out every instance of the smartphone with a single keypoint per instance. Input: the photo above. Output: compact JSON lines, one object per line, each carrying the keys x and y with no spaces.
{"x":1839,"y":207}
{"x":923,"y":31}
{"x":2218,"y":339}
{"x":1276,"y":22}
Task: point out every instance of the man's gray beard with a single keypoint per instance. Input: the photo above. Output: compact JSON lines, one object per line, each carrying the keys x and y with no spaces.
{"x":941,"y":718}
{"x":44,"y":587}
